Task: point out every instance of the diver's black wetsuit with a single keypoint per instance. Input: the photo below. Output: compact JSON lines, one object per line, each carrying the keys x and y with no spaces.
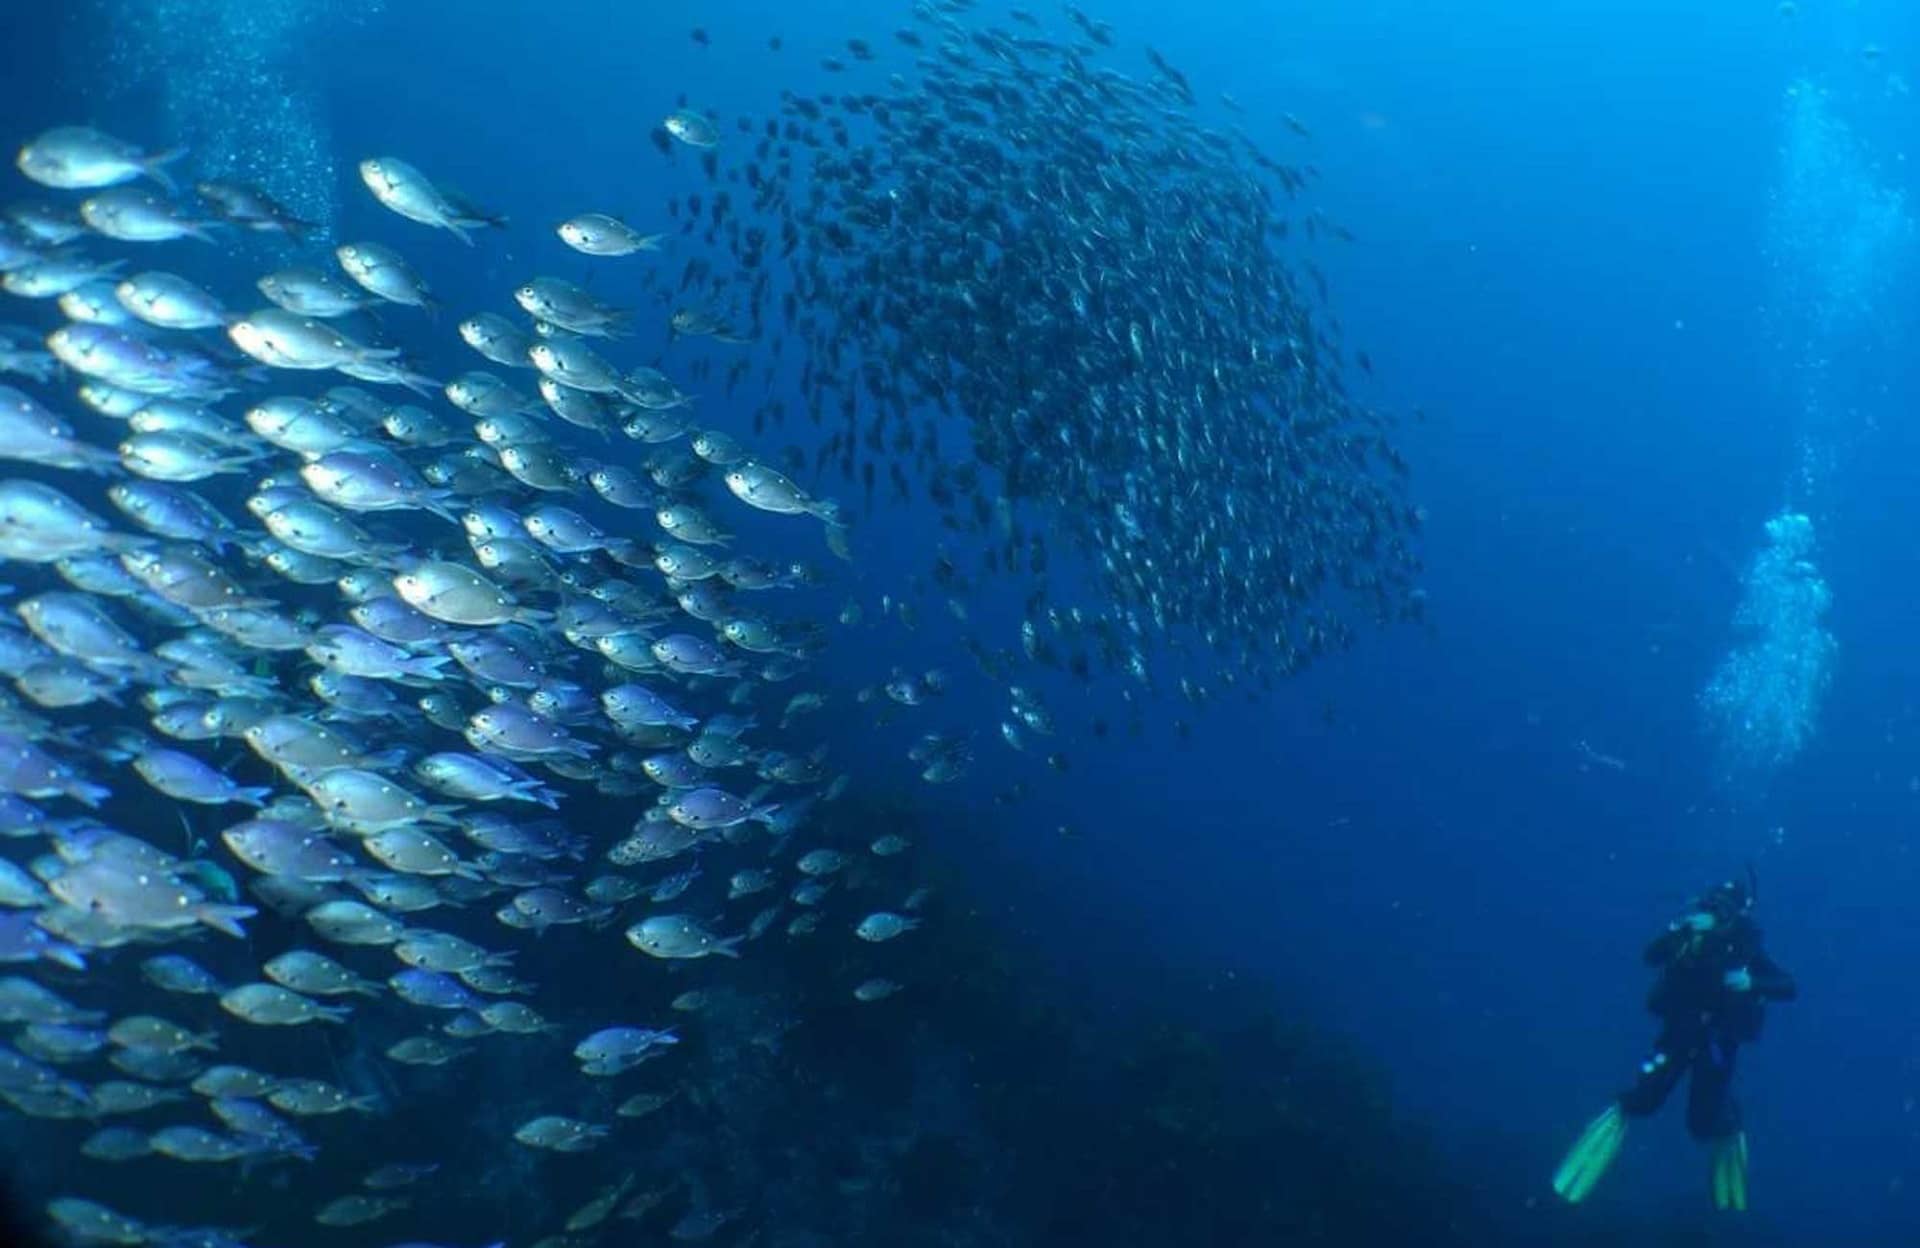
{"x":1703,"y":1020}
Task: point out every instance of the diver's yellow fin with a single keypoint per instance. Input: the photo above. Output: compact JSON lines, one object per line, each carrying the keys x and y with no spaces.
{"x":1587,"y":1161}
{"x":1730,"y":1172}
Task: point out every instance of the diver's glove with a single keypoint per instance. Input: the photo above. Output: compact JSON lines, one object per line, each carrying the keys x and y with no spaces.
{"x":1698,"y":921}
{"x":1738,"y":980}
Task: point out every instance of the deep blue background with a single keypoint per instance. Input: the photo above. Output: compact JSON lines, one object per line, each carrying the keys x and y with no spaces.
{"x":1562,"y":264}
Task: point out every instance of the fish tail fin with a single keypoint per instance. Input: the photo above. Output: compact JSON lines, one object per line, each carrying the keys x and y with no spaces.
{"x":335,"y":1013}
{"x":125,"y":541}
{"x":728,"y":948}
{"x":94,"y":460}
{"x":839,"y":540}
{"x":86,"y":794}
{"x":66,"y":955}
{"x":532,"y":615}
{"x":254,"y":795}
{"x":459,"y":229}
{"x":421,"y":384}
{"x":225,"y":919}
{"x":155,"y":167}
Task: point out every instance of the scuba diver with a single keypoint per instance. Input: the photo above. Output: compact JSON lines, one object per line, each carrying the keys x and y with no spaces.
{"x":1715,"y":980}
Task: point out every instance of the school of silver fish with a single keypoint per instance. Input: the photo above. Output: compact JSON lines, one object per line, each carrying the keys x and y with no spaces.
{"x":337,"y":682}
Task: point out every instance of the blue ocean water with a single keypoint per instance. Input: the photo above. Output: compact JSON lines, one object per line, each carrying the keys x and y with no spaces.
{"x":1588,"y":244}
